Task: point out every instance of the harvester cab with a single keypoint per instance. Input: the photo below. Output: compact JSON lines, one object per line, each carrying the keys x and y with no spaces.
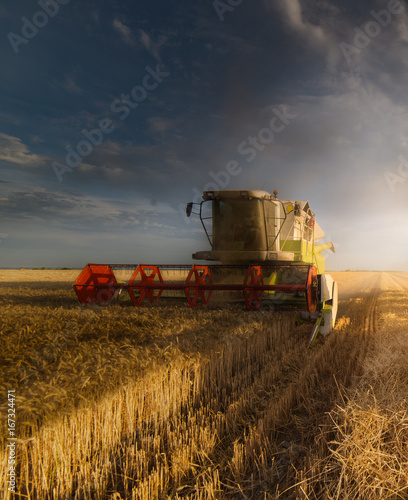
{"x":256,"y":227}
{"x":262,"y":250}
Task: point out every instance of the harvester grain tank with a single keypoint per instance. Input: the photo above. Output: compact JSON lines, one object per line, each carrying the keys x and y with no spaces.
{"x":264,"y":249}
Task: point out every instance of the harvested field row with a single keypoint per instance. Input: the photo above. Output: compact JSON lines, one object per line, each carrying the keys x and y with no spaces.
{"x":367,"y":455}
{"x":185,"y":404}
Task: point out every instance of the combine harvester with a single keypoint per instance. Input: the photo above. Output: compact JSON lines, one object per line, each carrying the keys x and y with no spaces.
{"x":267,"y":253}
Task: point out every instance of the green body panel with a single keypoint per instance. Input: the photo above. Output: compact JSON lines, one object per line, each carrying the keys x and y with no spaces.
{"x":305,"y":253}
{"x":291,"y":245}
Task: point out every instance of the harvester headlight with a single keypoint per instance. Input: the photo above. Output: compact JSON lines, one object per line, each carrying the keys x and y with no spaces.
{"x":209,"y":195}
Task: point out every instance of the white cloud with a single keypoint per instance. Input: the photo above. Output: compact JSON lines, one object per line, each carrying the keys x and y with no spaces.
{"x":402,"y":26}
{"x":71,"y":86}
{"x":126,"y":164}
{"x":158,"y":124}
{"x":150,"y":46}
{"x":13,"y":150}
{"x":36,"y":139}
{"x":77,"y":209}
{"x":318,"y":37}
{"x":293,"y":13}
{"x":125,"y":32}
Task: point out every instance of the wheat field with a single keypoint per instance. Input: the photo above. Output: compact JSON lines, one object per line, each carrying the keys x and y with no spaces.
{"x":168,"y":402}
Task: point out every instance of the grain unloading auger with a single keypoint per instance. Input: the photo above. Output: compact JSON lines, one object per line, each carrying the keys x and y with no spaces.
{"x":264,"y":250}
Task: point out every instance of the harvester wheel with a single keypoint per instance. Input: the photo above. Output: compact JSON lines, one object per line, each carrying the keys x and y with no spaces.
{"x":146,"y":276}
{"x":198,"y":276}
{"x":253,"y":297}
{"x":95,"y":284}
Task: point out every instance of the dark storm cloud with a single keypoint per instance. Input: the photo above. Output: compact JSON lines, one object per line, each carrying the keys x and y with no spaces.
{"x":226,"y":79}
{"x":74,"y":210}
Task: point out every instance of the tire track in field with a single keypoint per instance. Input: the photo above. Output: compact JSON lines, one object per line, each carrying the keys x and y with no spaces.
{"x":371,"y":317}
{"x":313,"y":475}
{"x":296,"y":424}
{"x":272,"y":399}
{"x":345,"y":351}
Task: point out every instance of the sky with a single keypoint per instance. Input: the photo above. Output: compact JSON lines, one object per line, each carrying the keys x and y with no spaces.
{"x":115,"y":114}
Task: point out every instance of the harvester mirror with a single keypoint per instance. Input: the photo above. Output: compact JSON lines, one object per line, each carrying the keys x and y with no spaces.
{"x":189,"y":208}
